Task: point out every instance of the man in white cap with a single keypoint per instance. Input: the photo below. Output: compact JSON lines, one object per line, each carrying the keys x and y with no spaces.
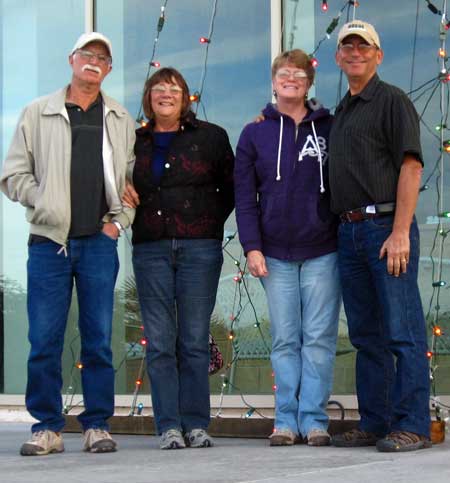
{"x":375,"y":171}
{"x":67,"y":165}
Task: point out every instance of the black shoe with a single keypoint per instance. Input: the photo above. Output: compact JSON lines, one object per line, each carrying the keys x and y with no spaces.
{"x":399,"y":441}
{"x":354,"y":439}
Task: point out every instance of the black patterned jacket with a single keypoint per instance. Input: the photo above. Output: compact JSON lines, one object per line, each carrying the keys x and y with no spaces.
{"x":195,"y":194}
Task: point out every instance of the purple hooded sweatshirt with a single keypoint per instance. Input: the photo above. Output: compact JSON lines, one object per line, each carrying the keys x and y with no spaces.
{"x":281,"y":186}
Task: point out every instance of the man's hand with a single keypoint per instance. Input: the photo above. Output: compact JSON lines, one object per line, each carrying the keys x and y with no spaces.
{"x":256,"y":263}
{"x":396,"y":247}
{"x":130,"y":198}
{"x":111,"y":230}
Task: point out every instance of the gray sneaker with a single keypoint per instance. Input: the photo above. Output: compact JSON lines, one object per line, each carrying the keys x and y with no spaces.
{"x":171,"y":439}
{"x":42,"y":443}
{"x":98,"y":441}
{"x":198,"y":438}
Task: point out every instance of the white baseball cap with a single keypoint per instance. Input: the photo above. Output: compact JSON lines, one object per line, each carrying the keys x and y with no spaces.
{"x":362,"y":29}
{"x":89,"y":37}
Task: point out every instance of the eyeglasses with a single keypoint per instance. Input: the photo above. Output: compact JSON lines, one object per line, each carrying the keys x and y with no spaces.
{"x":88,"y":56}
{"x":362,"y":47}
{"x":298,"y":75}
{"x":161,"y":89}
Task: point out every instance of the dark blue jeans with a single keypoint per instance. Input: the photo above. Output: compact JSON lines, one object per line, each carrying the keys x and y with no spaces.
{"x":93,"y":264}
{"x":387,"y":327}
{"x":177,"y":284}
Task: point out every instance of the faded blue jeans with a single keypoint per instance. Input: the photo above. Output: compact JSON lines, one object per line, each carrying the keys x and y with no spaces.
{"x":304,"y":300}
{"x":387,"y":327}
{"x":177,"y":284}
{"x":93,"y":264}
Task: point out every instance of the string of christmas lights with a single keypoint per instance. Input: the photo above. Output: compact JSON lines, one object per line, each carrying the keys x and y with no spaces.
{"x":153,"y":63}
{"x":433,"y":315}
{"x":197,"y":97}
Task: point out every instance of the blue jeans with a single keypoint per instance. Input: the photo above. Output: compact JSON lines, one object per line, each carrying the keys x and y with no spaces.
{"x":387,"y":327}
{"x":93,"y":263}
{"x":304,"y":300}
{"x":177,"y":283}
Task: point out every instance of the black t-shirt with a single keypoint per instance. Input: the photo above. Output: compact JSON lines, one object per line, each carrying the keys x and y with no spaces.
{"x":87,"y":190}
{"x":371,"y":134}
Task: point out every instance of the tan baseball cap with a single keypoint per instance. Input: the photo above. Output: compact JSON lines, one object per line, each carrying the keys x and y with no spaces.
{"x":363,"y":29}
{"x":89,"y":37}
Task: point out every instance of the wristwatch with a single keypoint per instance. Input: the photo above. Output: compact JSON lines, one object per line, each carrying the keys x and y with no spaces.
{"x":118,"y":226}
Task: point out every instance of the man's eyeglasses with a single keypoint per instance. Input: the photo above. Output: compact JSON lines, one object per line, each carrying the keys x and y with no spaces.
{"x":160,"y":89}
{"x":298,"y":75}
{"x":362,"y":47}
{"x":88,"y":56}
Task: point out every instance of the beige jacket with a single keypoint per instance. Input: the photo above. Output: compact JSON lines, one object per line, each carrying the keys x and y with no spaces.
{"x":36,"y":171}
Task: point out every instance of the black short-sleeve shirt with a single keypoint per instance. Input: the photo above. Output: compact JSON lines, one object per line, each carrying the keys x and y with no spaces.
{"x":371,"y":134}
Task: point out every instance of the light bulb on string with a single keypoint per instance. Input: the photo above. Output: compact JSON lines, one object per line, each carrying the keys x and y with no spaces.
{"x":249,"y":413}
{"x":155,"y":64}
{"x":446,"y":145}
{"x":143,"y":341}
{"x":437,"y":331}
{"x":79,"y":365}
{"x":439,"y":283}
{"x":205,"y":40}
{"x":231,"y":335}
{"x":429,"y":354}
{"x":138,"y":382}
{"x":140,"y":407}
{"x":442,"y":53}
{"x":195,"y":97}
{"x":314,"y":62}
{"x":324,"y":5}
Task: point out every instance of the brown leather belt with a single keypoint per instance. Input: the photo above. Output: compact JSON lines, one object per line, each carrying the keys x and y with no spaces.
{"x":367,"y":212}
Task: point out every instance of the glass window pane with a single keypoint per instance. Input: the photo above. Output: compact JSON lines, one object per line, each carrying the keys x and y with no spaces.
{"x":33,"y":62}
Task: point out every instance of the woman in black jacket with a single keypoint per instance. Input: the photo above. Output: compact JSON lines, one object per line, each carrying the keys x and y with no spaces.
{"x":183,"y":190}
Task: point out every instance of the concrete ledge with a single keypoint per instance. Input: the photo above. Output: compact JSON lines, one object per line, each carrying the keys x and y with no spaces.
{"x":219,"y":427}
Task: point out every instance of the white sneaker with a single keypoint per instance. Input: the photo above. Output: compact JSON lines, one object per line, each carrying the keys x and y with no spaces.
{"x":172,"y":439}
{"x":198,"y":438}
{"x":98,"y":441}
{"x":42,"y":443}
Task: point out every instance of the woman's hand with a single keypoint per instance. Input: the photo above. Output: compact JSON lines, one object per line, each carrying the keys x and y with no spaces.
{"x":130,"y":198}
{"x":256,"y":263}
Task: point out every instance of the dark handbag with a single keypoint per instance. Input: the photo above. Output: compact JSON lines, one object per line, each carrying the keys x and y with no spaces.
{"x":215,"y":357}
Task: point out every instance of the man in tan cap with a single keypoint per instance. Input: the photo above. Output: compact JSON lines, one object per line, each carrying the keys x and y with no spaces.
{"x":67,"y":165}
{"x":375,"y":171}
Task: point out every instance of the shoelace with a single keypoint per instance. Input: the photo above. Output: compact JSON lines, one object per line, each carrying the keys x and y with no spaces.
{"x":37,"y":435}
{"x":101,"y":432}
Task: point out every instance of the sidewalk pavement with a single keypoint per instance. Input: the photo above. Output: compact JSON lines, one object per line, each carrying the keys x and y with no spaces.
{"x":232,"y":460}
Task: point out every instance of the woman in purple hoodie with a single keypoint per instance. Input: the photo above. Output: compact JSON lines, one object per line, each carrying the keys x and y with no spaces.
{"x":289,"y":237}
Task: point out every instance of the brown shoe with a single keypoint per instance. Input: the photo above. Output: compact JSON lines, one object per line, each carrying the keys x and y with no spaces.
{"x":318,"y":437}
{"x":399,"y":441}
{"x":354,"y":438}
{"x":282,"y":437}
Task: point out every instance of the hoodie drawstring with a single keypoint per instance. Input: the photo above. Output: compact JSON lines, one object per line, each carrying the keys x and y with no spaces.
{"x":278,"y":178}
{"x":319,"y":154}
{"x":63,"y":249}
